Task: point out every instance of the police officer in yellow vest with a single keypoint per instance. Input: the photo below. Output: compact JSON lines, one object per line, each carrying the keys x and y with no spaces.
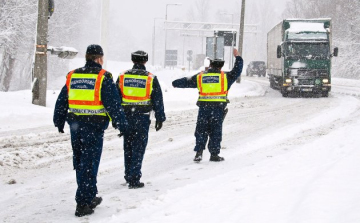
{"x":86,"y":102}
{"x":213,"y":86}
{"x":140,"y":93}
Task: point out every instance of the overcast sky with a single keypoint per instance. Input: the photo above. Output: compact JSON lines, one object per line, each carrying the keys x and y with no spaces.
{"x":136,"y":17}
{"x":138,"y":12}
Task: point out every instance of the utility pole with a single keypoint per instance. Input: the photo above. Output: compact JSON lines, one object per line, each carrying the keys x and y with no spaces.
{"x":105,"y":6}
{"x":40,"y":68}
{"x":241,"y":32}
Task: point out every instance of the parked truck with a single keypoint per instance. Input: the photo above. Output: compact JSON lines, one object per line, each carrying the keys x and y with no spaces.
{"x":299,"y":56}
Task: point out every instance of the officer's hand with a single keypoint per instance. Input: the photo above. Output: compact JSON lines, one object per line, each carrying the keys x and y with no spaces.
{"x":114,"y":125}
{"x":236,"y":52}
{"x":61,"y":130}
{"x":123,"y":128}
{"x":158,"y":125}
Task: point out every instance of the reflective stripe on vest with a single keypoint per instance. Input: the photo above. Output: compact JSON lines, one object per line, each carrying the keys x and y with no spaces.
{"x":212,"y":87}
{"x":214,"y":97}
{"x":84,"y":93}
{"x":136,"y":89}
{"x":87,"y":111}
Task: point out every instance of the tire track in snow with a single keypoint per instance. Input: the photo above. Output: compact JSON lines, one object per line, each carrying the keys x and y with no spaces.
{"x":168,"y":164}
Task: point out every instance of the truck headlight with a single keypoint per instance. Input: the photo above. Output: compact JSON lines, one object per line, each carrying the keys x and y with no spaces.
{"x":288,"y":81}
{"x":325,"y":81}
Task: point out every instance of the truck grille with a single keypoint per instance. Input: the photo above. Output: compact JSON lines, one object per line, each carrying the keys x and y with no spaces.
{"x":306,"y":82}
{"x":312,"y":73}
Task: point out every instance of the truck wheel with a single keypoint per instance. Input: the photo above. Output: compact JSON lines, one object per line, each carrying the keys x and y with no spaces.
{"x":284,"y":93}
{"x":325,"y":94}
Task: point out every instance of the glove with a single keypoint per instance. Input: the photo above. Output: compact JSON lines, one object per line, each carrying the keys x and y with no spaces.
{"x":114,"y":125}
{"x":158,"y":125}
{"x":61,"y":130}
{"x":122,"y":128}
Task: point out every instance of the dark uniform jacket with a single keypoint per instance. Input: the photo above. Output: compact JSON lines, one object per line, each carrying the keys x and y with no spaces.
{"x":109,"y":97}
{"x":157,"y":103}
{"x":186,"y":82}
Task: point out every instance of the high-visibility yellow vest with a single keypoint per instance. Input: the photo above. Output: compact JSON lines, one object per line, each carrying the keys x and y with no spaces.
{"x":136,"y":89}
{"x":212,"y":87}
{"x":84,"y":93}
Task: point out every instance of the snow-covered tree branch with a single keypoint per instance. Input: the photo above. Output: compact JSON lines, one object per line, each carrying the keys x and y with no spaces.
{"x":17,"y":38}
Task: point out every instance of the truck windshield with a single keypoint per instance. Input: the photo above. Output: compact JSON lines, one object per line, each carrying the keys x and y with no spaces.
{"x":311,"y":50}
{"x":307,"y":35}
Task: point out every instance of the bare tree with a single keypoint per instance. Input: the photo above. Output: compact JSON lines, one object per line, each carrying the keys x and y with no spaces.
{"x":200,"y":11}
{"x":294,"y":9}
{"x":17,"y":38}
{"x":16,"y":18}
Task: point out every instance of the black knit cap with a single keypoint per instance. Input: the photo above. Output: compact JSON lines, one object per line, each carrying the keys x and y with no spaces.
{"x":94,"y":49}
{"x":217,"y":63}
{"x":139,"y":56}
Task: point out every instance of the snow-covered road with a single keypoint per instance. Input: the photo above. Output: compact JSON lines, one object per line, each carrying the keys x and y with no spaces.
{"x":286,"y":160}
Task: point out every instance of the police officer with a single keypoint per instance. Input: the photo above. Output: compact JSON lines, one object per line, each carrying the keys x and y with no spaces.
{"x":86,"y":101}
{"x":140,"y":92}
{"x":213,"y":86}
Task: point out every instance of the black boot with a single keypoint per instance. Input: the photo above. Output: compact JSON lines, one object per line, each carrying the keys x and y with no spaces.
{"x":136,"y":185}
{"x":82,"y":210}
{"x":216,"y":158}
{"x":198,"y":156}
{"x":95,"y":202}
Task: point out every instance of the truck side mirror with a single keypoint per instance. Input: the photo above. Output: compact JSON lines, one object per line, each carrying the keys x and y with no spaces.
{"x":336,"y":52}
{"x":278,"y":52}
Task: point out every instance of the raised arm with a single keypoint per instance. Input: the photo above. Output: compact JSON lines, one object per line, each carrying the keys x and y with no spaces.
{"x":237,"y":69}
{"x":185,"y":82}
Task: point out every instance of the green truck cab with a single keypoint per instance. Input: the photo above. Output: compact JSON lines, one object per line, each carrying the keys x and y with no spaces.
{"x":299,"y":57}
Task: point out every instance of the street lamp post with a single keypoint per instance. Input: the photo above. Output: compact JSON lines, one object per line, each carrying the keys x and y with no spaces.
{"x":166,"y":30}
{"x":153,"y":43}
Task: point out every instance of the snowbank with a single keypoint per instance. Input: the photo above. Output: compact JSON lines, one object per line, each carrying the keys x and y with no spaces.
{"x":21,"y":113}
{"x":287,"y":160}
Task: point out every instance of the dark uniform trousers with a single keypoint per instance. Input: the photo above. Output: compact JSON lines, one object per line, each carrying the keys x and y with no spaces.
{"x":87,"y":142}
{"x":209,"y":126}
{"x":135,"y":141}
